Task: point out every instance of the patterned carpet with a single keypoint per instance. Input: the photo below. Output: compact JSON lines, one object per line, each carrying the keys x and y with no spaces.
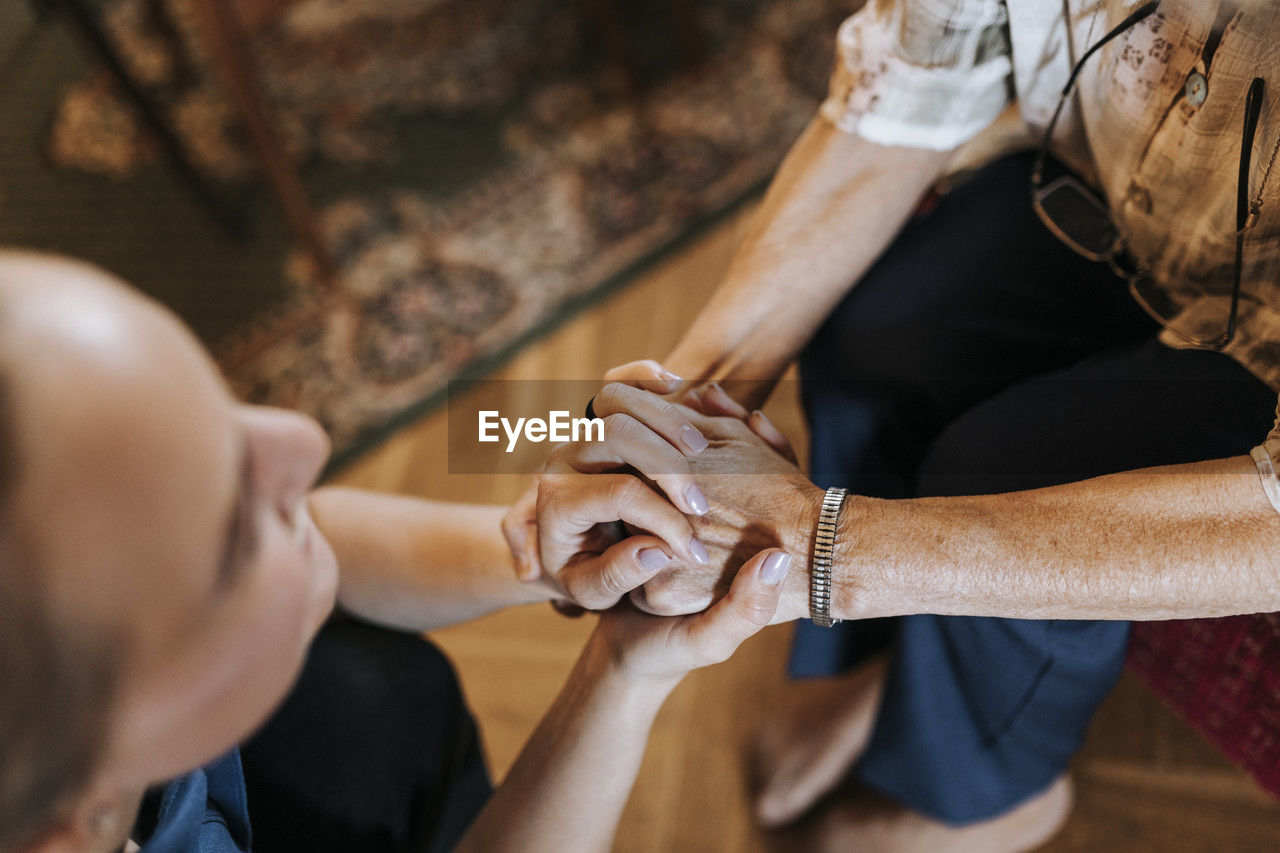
{"x":477,"y":170}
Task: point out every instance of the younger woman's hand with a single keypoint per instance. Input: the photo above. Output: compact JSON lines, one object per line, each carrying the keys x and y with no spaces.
{"x":663,"y":649}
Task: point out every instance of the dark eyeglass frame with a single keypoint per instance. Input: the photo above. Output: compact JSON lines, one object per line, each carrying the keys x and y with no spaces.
{"x":1068,"y":190}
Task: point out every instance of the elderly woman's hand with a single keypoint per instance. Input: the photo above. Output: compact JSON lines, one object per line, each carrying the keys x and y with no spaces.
{"x":594,"y":539}
{"x":598,"y":529}
{"x":757,"y":499}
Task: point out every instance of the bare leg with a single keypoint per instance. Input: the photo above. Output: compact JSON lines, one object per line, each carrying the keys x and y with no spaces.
{"x":807,"y":745}
{"x":864,"y":821}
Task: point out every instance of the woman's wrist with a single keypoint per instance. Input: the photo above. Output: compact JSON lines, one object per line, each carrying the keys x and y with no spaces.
{"x":603,"y":666}
{"x":523,"y":590}
{"x":859,"y":587}
{"x":797,"y":539}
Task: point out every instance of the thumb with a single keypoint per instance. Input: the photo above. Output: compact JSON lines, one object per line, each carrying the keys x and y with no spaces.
{"x":645,"y":374}
{"x":714,"y":635}
{"x":519,"y":529}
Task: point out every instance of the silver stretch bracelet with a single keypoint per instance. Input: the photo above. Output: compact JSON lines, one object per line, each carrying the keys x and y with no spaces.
{"x":824,"y":543}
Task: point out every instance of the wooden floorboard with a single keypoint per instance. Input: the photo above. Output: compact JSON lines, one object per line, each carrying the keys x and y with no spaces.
{"x":1145,"y":781}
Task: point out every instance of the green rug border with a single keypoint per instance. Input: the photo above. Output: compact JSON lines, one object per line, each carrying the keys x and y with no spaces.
{"x":375,"y":436}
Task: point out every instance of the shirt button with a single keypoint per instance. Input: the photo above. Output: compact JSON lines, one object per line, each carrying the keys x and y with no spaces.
{"x":1197,"y":89}
{"x":1140,"y":198}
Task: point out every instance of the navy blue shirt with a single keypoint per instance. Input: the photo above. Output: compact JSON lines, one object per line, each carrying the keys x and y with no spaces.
{"x":205,"y":811}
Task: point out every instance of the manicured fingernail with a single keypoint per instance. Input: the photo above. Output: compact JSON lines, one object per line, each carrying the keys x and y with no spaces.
{"x":775,"y":568}
{"x":699,"y":551}
{"x":768,"y":427}
{"x":697,"y":501}
{"x":669,"y":376}
{"x":694,"y":440}
{"x":652,"y":559}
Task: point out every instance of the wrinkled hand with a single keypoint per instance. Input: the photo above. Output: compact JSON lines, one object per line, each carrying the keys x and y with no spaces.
{"x":757,"y":499}
{"x":520,"y":526}
{"x":668,"y":648}
{"x":594,"y":539}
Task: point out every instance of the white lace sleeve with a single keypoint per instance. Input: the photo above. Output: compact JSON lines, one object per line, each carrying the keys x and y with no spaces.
{"x":921,"y":73}
{"x":1267,"y":457}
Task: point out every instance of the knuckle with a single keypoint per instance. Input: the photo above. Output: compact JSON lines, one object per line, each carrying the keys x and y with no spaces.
{"x":626,"y":490}
{"x":659,"y":597}
{"x":663,"y":608}
{"x":613,"y":580}
{"x":757,"y":610}
{"x":548,"y":496}
{"x":734,"y":427}
{"x":676,"y":462}
{"x":670,"y":414}
{"x":584,"y":594}
{"x":667,"y":596}
{"x":666,"y":409}
{"x":619,"y":429}
{"x":612,"y":393}
{"x":644,"y":603}
{"x":556,"y":460}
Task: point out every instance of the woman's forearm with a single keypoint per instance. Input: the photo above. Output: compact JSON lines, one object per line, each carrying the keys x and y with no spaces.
{"x":567,"y":790}
{"x":1183,"y":541}
{"x":835,"y":204}
{"x":418,"y":565}
{"x":569,"y":785}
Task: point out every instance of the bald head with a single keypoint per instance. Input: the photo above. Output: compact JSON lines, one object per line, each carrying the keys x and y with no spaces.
{"x":107,"y":389}
{"x":162,"y":525}
{"x":52,"y":729}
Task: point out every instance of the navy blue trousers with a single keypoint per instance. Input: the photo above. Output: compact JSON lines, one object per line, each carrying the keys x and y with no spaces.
{"x":374,"y":751}
{"x":979,"y":355}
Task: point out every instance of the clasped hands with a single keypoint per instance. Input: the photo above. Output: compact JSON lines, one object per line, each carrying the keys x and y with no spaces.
{"x":684,"y":490}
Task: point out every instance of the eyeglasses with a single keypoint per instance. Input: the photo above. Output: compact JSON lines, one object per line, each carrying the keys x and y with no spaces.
{"x":1081,"y":220}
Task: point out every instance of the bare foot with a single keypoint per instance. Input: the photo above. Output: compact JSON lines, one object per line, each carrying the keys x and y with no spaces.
{"x":870,"y":822}
{"x":806,"y":746}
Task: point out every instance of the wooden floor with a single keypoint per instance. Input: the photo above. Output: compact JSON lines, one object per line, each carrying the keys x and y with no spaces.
{"x":1144,"y":781}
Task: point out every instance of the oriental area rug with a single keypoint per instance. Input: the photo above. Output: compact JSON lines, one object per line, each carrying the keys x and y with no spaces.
{"x":475,"y":164}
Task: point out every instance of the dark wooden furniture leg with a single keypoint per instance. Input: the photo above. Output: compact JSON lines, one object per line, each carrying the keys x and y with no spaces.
{"x":227,"y":41}
{"x":86,"y":23}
